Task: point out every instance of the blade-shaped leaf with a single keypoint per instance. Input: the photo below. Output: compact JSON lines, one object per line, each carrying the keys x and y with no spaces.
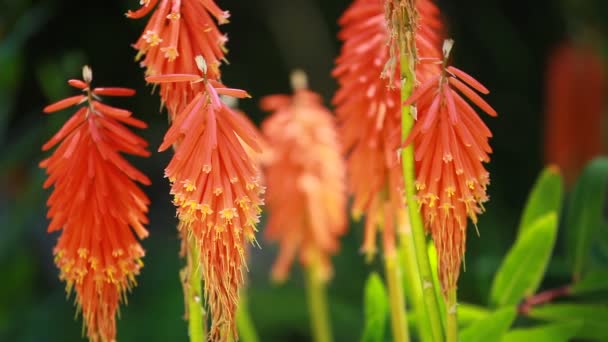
{"x":585,"y":214}
{"x":376,"y":309}
{"x":556,"y":332}
{"x":545,"y":197}
{"x":593,"y":281}
{"x":523,"y":268}
{"x":490,"y":328}
{"x":469,"y":313}
{"x":594,"y":318}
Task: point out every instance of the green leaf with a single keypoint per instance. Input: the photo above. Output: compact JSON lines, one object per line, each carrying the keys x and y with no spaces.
{"x":523,"y":268}
{"x":376,"y":309}
{"x":469,"y":313}
{"x":593,"y":281}
{"x":490,"y":328}
{"x":556,"y":332}
{"x":585,"y":211}
{"x":545,"y":197}
{"x":594,"y":318}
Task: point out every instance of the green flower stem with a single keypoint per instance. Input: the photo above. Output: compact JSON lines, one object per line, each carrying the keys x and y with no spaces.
{"x":317,"y":303}
{"x":196,"y":314}
{"x":394,"y":279}
{"x":431,"y":301}
{"x":412,"y":283}
{"x":244,"y":322}
{"x":452,"y":321}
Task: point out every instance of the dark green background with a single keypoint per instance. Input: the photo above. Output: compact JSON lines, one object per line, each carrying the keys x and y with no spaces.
{"x":504,"y":44}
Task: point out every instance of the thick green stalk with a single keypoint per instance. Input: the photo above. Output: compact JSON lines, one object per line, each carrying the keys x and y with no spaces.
{"x":431,"y":301}
{"x":412,"y":283}
{"x":452,"y":313}
{"x":196,"y":314}
{"x":396,"y":298}
{"x":317,"y":303}
{"x":244,"y":322}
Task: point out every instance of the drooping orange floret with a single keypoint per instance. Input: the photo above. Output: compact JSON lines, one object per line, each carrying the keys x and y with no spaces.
{"x":179,"y":30}
{"x":369,"y":111}
{"x":216,"y":189}
{"x":305,"y":176}
{"x":96,"y":204}
{"x":574,"y":103}
{"x":451,"y":145}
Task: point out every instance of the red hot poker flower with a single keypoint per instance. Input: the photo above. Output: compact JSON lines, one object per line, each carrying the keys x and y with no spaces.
{"x":96,"y":203}
{"x":451,"y":146}
{"x":216,"y":188}
{"x":305,"y":179}
{"x":369,"y":111}
{"x":369,"y":114}
{"x":177,"y":31}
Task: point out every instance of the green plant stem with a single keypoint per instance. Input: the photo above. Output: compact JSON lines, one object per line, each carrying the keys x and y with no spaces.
{"x":396,"y":298}
{"x":244,"y":322}
{"x":431,"y":301}
{"x":196,"y":315}
{"x":317,"y":303}
{"x":452,"y":313}
{"x":412,"y":282}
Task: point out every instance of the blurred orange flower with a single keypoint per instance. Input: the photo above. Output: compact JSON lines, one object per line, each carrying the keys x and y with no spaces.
{"x":96,"y":204}
{"x":369,"y":115}
{"x":305,"y":179}
{"x":179,"y":30}
{"x":216,"y":188}
{"x":575,"y":102}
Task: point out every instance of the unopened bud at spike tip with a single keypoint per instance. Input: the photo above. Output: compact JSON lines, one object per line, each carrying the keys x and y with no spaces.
{"x":201,"y":64}
{"x":87,"y":74}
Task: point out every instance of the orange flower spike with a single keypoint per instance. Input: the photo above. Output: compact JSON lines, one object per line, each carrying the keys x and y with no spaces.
{"x":305,"y":177}
{"x":216,"y":189}
{"x":97,"y":206}
{"x":369,"y":116}
{"x":177,"y":31}
{"x":451,"y":147}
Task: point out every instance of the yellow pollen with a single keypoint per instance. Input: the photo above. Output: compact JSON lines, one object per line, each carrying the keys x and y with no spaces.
{"x":83,"y":252}
{"x":173,"y":16}
{"x":170,"y":53}
{"x":110,"y":273}
{"x":190,"y":205}
{"x":419,"y":185}
{"x":228,"y":214}
{"x":432,"y":198}
{"x":152,"y":38}
{"x":243,"y":202}
{"x":471,"y":184}
{"x":117,"y":252}
{"x":450,"y":190}
{"x":446,"y":206}
{"x":94,"y":262}
{"x":189,"y":185}
{"x":447,"y":158}
{"x":205,"y":209}
{"x":218,"y":191}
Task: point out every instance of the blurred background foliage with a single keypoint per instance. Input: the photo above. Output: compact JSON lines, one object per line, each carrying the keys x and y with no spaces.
{"x":504,"y":44}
